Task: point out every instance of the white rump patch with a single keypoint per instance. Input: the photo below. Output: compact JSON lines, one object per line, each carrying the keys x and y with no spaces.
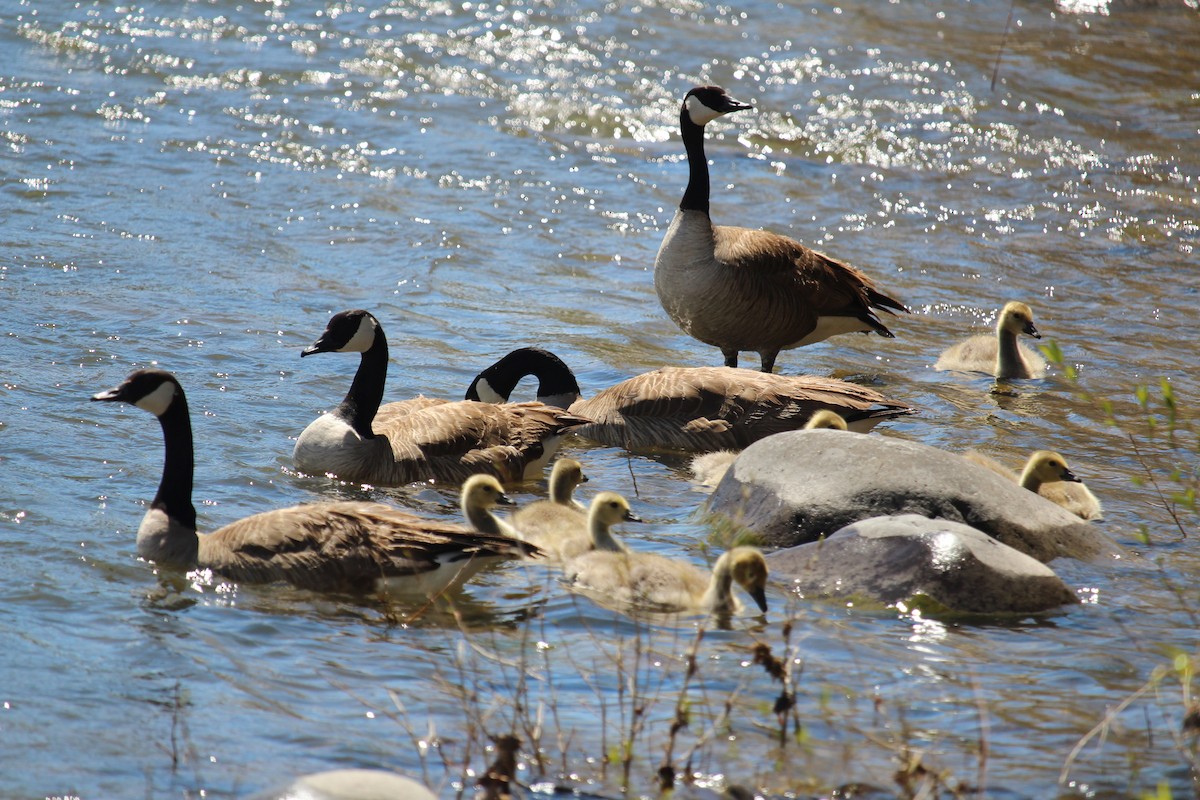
{"x":363,"y":338}
{"x":832,"y":326}
{"x":158,"y":401}
{"x":700,"y":113}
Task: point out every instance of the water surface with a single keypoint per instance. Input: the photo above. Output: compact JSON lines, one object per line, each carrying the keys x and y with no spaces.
{"x":199,"y":185}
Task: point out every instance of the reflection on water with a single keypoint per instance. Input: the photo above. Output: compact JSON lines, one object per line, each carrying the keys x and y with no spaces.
{"x":200,"y":185}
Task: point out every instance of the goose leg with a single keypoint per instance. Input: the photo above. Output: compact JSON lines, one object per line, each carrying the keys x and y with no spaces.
{"x":768,"y":360}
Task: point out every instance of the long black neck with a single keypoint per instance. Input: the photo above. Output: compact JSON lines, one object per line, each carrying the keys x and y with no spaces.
{"x":555,"y":379}
{"x":174,"y":496}
{"x":695,"y":196}
{"x":366,"y":391}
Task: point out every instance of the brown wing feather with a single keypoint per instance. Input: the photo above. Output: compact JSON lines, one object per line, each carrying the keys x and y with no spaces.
{"x":828,"y":284}
{"x":343,"y":546}
{"x":389,"y":412}
{"x":715,"y":408}
{"x":454,"y":440}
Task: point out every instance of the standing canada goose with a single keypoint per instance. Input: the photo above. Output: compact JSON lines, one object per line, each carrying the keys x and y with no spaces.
{"x":1046,"y":473}
{"x":1000,"y":355}
{"x":744,"y":289}
{"x":355,"y":547}
{"x":650,"y":582}
{"x":709,"y":468}
{"x":698,"y":409}
{"x":422,"y":438}
{"x":562,"y":533}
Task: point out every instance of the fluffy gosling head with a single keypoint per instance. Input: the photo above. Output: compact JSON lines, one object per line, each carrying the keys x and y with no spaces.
{"x":566,"y":475}
{"x":608,"y":509}
{"x":1018,"y":318}
{"x":1046,"y":466}
{"x":824,"y":418}
{"x":749,"y":570}
{"x":611,"y":508}
{"x":483,"y":492}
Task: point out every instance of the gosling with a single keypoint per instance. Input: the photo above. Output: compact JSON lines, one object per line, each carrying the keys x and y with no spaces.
{"x":632,"y":581}
{"x":1046,"y":473}
{"x":1000,"y":355}
{"x":565,"y":533}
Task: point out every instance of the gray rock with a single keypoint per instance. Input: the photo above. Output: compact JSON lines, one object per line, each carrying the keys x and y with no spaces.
{"x":893,"y":559}
{"x":796,"y":487}
{"x":350,"y":784}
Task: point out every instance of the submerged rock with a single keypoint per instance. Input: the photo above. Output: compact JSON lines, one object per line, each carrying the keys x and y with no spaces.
{"x":799,"y":486}
{"x":894,"y":559}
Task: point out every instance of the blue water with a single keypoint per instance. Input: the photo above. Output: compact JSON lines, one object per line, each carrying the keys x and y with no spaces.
{"x":200,"y":185}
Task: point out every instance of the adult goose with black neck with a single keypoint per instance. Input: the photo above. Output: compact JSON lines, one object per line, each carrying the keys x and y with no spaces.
{"x":424,"y":438}
{"x":351,"y":547}
{"x":697,"y":409}
{"x":742,"y":289}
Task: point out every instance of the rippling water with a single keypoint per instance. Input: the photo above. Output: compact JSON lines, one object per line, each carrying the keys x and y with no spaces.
{"x":200,"y":185}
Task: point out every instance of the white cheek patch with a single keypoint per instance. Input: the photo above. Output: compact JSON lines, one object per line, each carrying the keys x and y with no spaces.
{"x":486,"y":393}
{"x":700,"y":113}
{"x":363,"y":338}
{"x":158,"y":401}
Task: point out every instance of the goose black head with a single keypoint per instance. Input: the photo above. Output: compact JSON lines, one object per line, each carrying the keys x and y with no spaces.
{"x":703,"y":104}
{"x":152,"y":390}
{"x":353,"y":331}
{"x":557,"y":385}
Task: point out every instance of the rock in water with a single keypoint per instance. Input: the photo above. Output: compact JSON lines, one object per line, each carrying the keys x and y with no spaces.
{"x":799,"y":486}
{"x":894,"y":559}
{"x":350,"y":784}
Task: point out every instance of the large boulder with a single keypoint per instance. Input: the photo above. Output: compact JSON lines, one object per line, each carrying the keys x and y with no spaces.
{"x":799,"y":486}
{"x":910,"y":557}
{"x":349,"y":784}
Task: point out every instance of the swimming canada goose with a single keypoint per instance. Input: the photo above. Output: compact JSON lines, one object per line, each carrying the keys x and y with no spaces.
{"x":1000,"y":355}
{"x":357,"y":547}
{"x":562,"y":533}
{"x":1047,"y":474}
{"x":651,"y":582}
{"x":709,"y":468}
{"x":745,"y":289}
{"x":422,"y":438}
{"x":698,"y":409}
